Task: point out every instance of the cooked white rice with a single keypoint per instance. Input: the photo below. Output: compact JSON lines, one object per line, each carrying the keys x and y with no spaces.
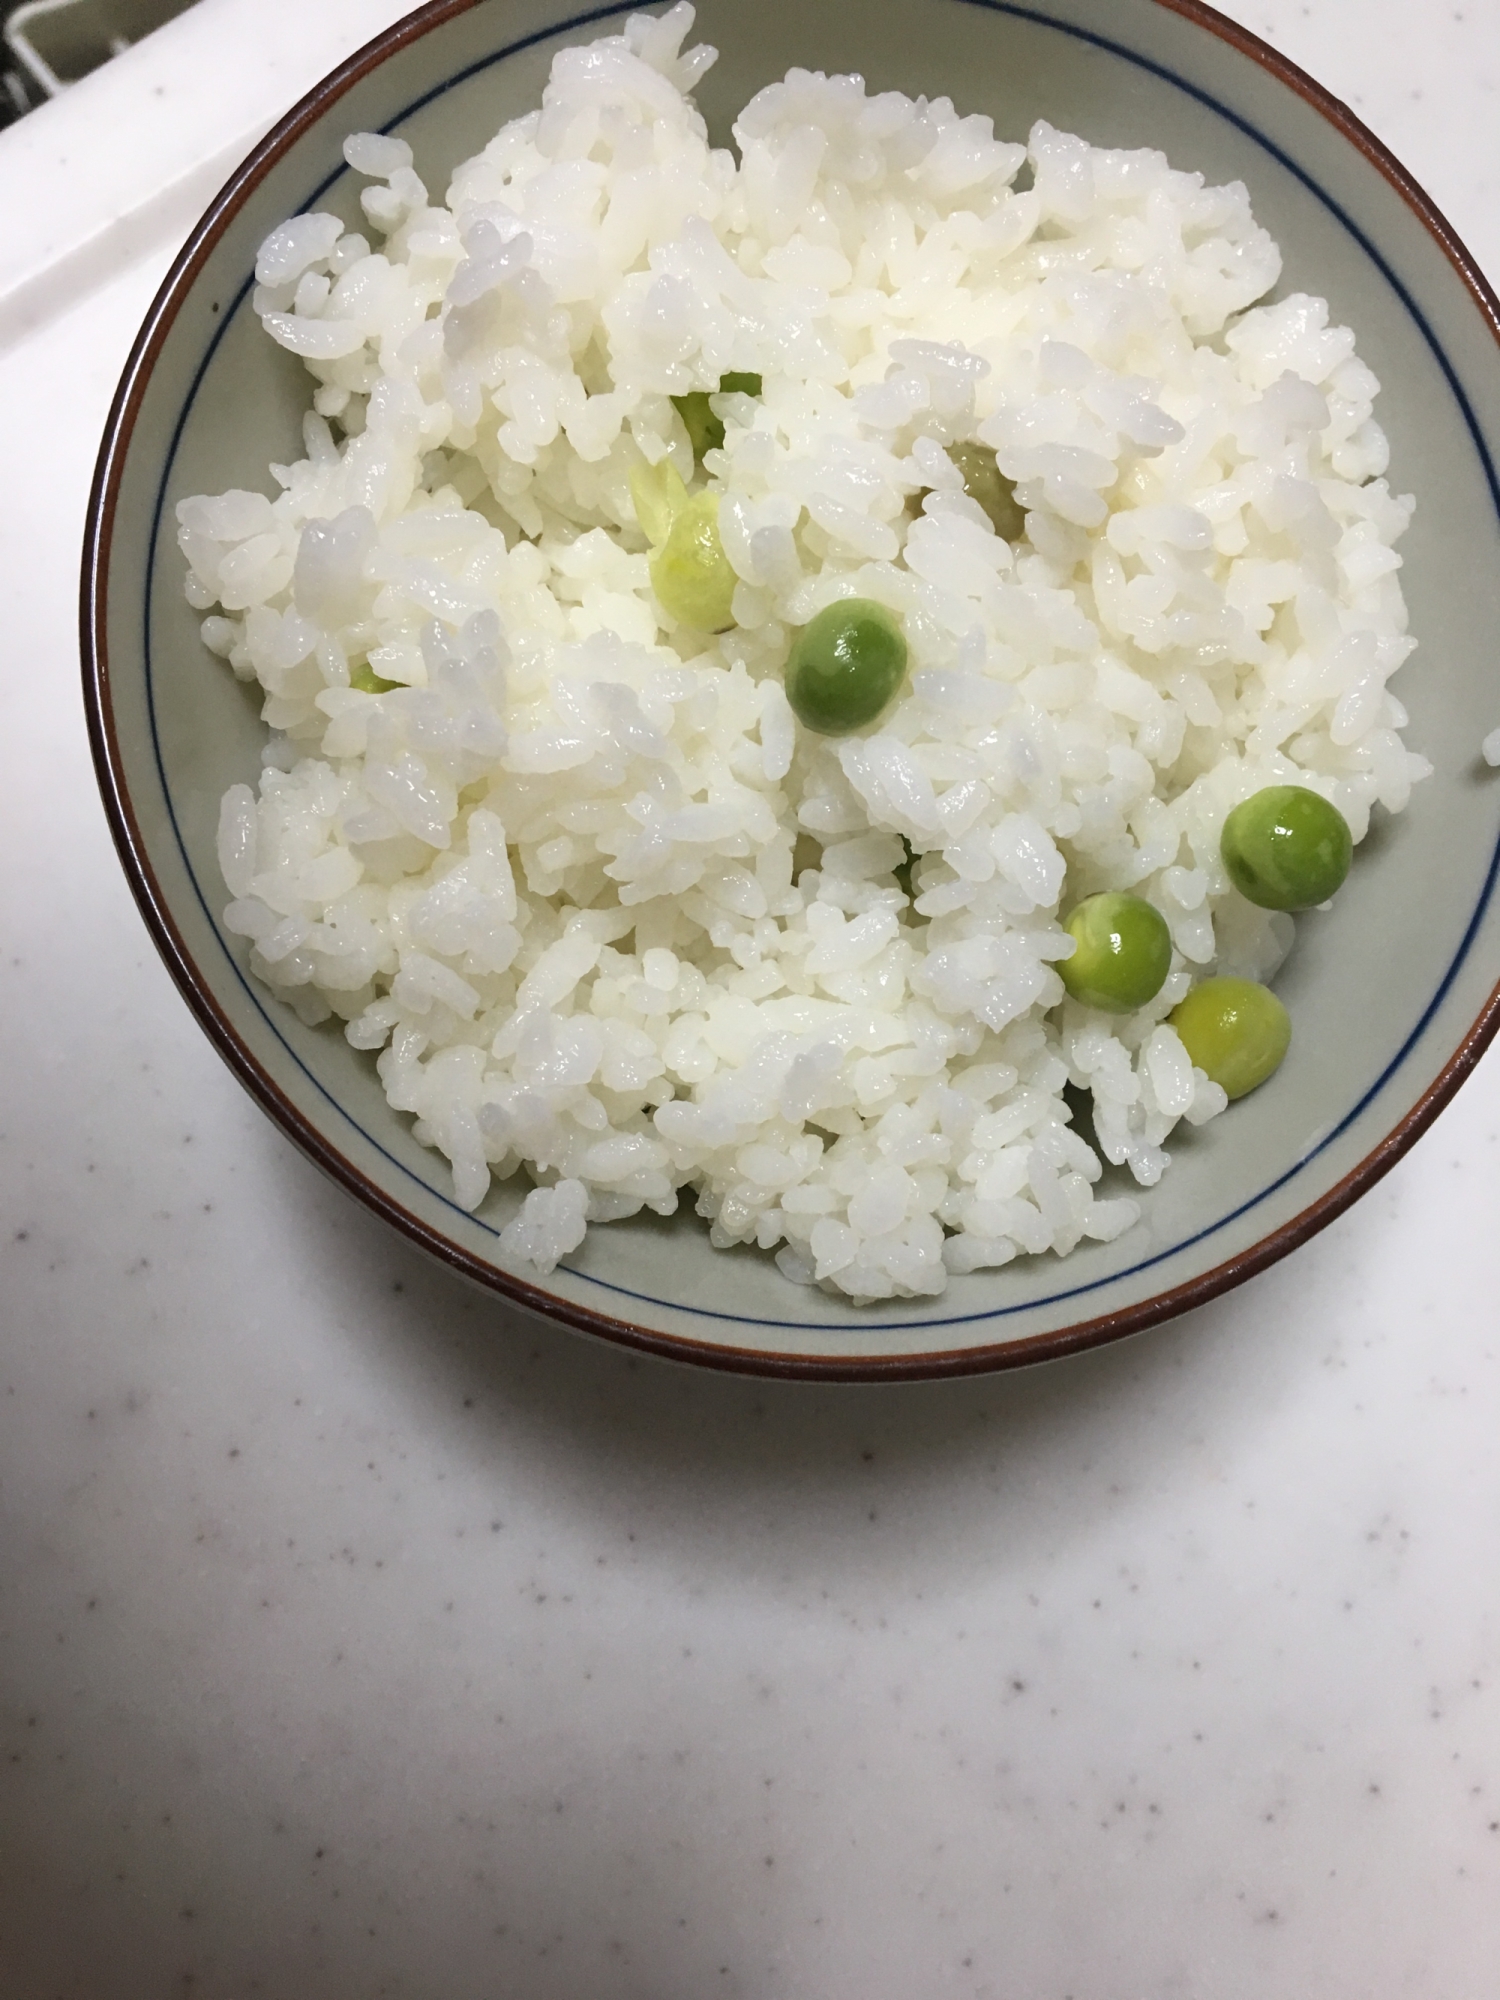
{"x":608,"y":914}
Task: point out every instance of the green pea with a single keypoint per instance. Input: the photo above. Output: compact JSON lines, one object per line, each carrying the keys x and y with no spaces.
{"x":705,"y":430}
{"x":845,"y":665}
{"x":1123,"y":952}
{"x":1286,"y":848}
{"x":903,"y":868}
{"x":986,"y":483}
{"x":1234,"y":1031}
{"x":365,"y":678}
{"x":690,"y":572}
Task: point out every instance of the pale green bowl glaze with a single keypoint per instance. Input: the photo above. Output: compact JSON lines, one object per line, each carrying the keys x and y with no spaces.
{"x":1394,"y":992}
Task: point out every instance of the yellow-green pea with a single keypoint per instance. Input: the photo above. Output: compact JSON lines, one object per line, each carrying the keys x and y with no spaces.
{"x":986,"y":483}
{"x":690,"y":572}
{"x":1234,"y":1031}
{"x":659,"y":495}
{"x":365,"y":678}
{"x":1122,"y":952}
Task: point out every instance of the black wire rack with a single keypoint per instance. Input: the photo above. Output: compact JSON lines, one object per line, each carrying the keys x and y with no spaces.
{"x":16,"y":99}
{"x":45,"y":45}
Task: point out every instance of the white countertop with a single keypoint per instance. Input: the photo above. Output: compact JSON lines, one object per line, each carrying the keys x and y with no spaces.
{"x":357,"y":1639}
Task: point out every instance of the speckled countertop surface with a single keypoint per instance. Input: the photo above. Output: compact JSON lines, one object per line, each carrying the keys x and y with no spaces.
{"x":357,"y":1641}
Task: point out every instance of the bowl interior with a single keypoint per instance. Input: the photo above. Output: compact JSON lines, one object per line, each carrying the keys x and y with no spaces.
{"x":1386,"y":989}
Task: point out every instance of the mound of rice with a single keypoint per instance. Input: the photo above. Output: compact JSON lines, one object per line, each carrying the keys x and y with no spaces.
{"x":607,"y":912}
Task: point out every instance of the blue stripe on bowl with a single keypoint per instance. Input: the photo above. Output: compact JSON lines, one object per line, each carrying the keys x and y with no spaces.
{"x":257,"y":997}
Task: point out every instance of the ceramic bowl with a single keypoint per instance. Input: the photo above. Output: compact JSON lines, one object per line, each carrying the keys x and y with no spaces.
{"x":1394,"y":991}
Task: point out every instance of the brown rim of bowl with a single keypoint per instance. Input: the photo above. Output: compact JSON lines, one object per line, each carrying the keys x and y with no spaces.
{"x":853,"y":1368}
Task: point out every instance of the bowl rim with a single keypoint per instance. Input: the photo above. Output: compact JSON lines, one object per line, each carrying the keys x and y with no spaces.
{"x":130,"y":843}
